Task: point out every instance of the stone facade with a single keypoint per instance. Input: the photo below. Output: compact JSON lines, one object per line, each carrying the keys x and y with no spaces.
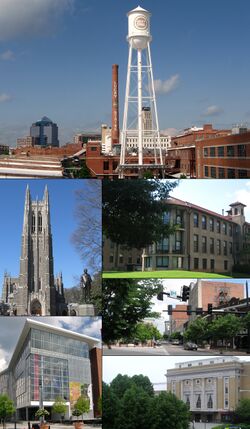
{"x":211,"y":387}
{"x":35,"y":291}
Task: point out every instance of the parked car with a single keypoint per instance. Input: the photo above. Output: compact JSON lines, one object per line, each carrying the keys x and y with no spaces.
{"x":176,"y":342}
{"x":190,"y":346}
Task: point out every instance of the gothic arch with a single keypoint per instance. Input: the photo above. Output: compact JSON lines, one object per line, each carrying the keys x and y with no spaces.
{"x":36,"y":308}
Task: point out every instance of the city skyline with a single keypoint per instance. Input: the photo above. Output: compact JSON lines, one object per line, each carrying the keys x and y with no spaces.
{"x":64,"y":222}
{"x":189,"y":64}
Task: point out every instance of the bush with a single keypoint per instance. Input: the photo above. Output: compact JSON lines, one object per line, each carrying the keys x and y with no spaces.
{"x":241,"y":268}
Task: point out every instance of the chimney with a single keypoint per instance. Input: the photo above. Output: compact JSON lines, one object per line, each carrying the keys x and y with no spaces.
{"x":115,"y":105}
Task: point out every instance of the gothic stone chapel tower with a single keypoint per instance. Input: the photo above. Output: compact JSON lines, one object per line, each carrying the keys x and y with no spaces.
{"x":35,"y":291}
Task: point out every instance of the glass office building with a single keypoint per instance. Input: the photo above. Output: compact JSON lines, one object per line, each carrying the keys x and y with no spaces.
{"x":48,"y":363}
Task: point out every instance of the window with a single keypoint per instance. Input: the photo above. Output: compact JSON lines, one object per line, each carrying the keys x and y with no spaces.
{"x":188,"y":401}
{"x":230,"y":248}
{"x":226,"y":392}
{"x":212,"y":152}
{"x":196,"y":263}
{"x":166,"y":218}
{"x":111,"y":259}
{"x":93,"y":148}
{"x":198,"y":401}
{"x":220,"y":151}
{"x":230,"y":151}
{"x":210,"y":401}
{"x":241,"y":150}
{"x":196,"y":220}
{"x":204,"y":264}
{"x":173,"y":387}
{"x":225,"y":248}
{"x":196,"y":243}
{"x":230,"y":173}
{"x":218,"y":226}
{"x":204,"y":222}
{"x":242,"y":173}
{"x":211,"y":224}
{"x":162,"y":261}
{"x":206,"y":174}
{"x":179,"y":220}
{"x":218,"y":247}
{"x":221,"y":173}
{"x":224,"y":228}
{"x":33,"y":226}
{"x":162,"y":246}
{"x":205,"y":152}
{"x":106,"y":165}
{"x":225,"y":265}
{"x":211,"y":245}
{"x":230,"y":229}
{"x":212,"y":265}
{"x":40,"y":222}
{"x":121,"y":259}
{"x":213,"y":172}
{"x":204,"y":244}
{"x":130,"y":260}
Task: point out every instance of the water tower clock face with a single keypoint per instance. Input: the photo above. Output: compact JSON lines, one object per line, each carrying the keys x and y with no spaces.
{"x":141,"y":22}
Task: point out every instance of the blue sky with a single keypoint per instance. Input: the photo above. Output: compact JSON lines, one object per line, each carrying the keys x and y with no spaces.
{"x":215,"y":195}
{"x":63,"y":202}
{"x":56,"y":58}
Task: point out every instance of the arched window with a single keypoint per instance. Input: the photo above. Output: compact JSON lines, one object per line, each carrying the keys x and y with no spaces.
{"x":33,"y":226}
{"x":40,"y":222}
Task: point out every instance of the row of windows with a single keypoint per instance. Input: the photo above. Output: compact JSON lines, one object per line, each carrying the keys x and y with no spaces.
{"x":40,"y":222}
{"x":121,"y":260}
{"x":212,"y":225}
{"x":222,"y":173}
{"x":221,"y":246}
{"x":229,"y":151}
{"x":204,"y":264}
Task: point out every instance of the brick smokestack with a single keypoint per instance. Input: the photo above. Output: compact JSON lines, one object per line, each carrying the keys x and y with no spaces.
{"x":115,"y":105}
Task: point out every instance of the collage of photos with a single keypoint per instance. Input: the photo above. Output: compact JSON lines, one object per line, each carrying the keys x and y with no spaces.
{"x":125,"y":214}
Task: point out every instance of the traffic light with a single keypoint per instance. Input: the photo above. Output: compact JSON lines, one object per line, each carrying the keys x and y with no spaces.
{"x":199,"y":310}
{"x":210,"y":308}
{"x":185,"y":293}
{"x":189,"y":310}
{"x":160,"y":293}
{"x":170,"y":310}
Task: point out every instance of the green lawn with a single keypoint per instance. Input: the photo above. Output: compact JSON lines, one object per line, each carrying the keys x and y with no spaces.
{"x":171,"y":274}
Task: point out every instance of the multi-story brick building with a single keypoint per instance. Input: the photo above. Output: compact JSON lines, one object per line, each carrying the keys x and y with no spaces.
{"x":191,"y":135}
{"x":212,"y":388}
{"x":203,"y":241}
{"x":205,"y":292}
{"x":224,"y":157}
{"x":178,"y":320}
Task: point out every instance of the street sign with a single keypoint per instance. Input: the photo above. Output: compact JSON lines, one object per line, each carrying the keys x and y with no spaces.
{"x":173,"y":294}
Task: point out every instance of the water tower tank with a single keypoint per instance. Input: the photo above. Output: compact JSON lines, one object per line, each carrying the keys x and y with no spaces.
{"x":139,"y":28}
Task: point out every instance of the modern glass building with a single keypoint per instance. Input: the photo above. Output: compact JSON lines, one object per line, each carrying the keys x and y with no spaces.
{"x":46,"y":132}
{"x":49,"y":362}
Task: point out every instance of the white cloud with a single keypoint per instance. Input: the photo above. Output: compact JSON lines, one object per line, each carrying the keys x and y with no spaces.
{"x":213,"y":111}
{"x":170,"y":131}
{"x":30,"y":17}
{"x":4,"y":98}
{"x":7,"y":55}
{"x":4,"y":359}
{"x":167,"y":86}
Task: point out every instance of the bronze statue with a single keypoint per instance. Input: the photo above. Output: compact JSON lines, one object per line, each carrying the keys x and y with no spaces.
{"x":86,"y":282}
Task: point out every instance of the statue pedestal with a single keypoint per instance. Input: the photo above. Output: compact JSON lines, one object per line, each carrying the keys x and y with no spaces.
{"x":75,"y":309}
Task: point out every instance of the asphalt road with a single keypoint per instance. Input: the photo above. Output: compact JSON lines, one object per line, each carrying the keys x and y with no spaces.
{"x":164,"y":350}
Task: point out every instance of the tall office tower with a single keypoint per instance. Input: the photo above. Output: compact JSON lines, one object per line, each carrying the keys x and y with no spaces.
{"x":46,"y":132}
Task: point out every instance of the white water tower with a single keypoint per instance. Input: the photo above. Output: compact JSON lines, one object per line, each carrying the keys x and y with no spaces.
{"x":140,"y":94}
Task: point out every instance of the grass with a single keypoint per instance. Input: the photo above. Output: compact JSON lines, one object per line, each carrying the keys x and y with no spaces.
{"x":171,"y":274}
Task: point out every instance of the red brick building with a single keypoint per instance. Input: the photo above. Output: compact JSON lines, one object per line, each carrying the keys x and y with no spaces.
{"x":178,"y":320}
{"x":191,"y":135}
{"x":226,"y":157}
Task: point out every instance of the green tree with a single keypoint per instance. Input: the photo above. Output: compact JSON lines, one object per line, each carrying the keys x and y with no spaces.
{"x":176,"y":336}
{"x":82,"y":404}
{"x":197,"y":331}
{"x":242,"y":412}
{"x":143,"y":382}
{"x":146,"y":331}
{"x":125,"y":303}
{"x":110,"y":407}
{"x":7,"y":408}
{"x":169,"y":412}
{"x":133,"y":211}
{"x":134,"y":410}
{"x":224,"y":327}
{"x":60,"y":407}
